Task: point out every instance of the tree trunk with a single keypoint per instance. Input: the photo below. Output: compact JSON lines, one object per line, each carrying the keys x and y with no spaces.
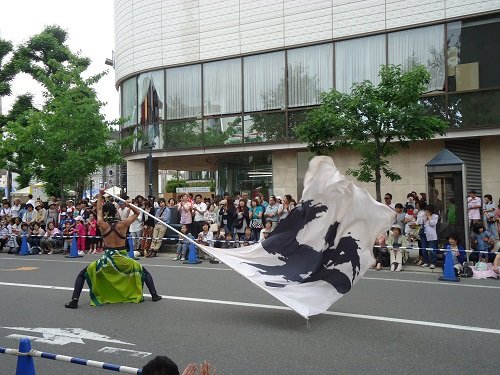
{"x":377,"y":184}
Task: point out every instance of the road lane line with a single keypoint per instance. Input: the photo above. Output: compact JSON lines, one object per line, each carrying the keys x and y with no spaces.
{"x":431,"y":282}
{"x":275,"y":307}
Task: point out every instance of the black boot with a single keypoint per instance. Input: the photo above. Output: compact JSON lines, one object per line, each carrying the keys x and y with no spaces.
{"x":155,"y":297}
{"x":73,"y":304}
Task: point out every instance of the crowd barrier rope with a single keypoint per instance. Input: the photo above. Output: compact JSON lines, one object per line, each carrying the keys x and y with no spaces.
{"x":26,"y":364}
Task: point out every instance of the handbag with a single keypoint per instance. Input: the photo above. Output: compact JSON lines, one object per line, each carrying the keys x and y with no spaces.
{"x":256,"y":224}
{"x":238,"y":223}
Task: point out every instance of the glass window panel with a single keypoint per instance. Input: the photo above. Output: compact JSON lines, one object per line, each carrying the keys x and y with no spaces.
{"x":129,"y":102}
{"x":149,"y":136}
{"x":184,"y":92}
{"x":151,"y":95}
{"x":358,"y":60}
{"x":476,"y":109}
{"x":183,"y":134}
{"x":310,"y":72}
{"x":435,"y":106}
{"x":264,"y":127}
{"x":264,"y":81}
{"x":295,"y":118}
{"x":473,"y":54}
{"x":420,"y":46}
{"x":127,"y":135}
{"x":222,"y":131}
{"x":222,"y":87}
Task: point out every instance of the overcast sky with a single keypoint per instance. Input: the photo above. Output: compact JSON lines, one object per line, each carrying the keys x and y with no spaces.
{"x":91,"y":31}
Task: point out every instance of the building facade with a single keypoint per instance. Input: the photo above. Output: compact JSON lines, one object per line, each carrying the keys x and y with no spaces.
{"x":219,"y":85}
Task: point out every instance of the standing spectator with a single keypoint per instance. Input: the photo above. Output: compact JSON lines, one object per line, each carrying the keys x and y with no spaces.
{"x":263,"y":202}
{"x":271,"y":212}
{"x":489,"y":216}
{"x":227,"y":213}
{"x":52,"y":214}
{"x":430,"y":239}
{"x":162,"y":213}
{"x":5,"y":211}
{"x":185,"y":210}
{"x":473,"y":208}
{"x":400,"y":216}
{"x":122,"y":212}
{"x":149,"y":224}
{"x":255,"y":213}
{"x":136,"y":228}
{"x":92,"y":233}
{"x":171,"y":203}
{"x":29,"y":215}
{"x":285,"y":207}
{"x":31,"y":200}
{"x":388,"y":200}
{"x":15,"y":209}
{"x":242,"y":218}
{"x":81,"y":232}
{"x":40,"y":214}
{"x":497,"y":216}
{"x":410,"y":202}
{"x":199,"y":209}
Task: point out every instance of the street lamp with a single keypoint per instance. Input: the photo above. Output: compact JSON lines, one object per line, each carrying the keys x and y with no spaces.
{"x":150,"y":146}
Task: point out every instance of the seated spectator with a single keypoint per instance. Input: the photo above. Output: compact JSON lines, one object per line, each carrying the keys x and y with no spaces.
{"x":36,"y":238}
{"x":457,"y":252}
{"x":13,"y":231}
{"x":50,"y":240}
{"x":481,"y":240}
{"x":5,"y":211}
{"x":183,"y":244}
{"x":29,"y":215}
{"x":380,"y":252}
{"x":4,"y":233}
{"x":248,"y":238}
{"x":67,"y":234}
{"x":228,"y":242}
{"x":264,"y":233}
{"x":205,"y":237}
{"x":25,"y":231}
{"x":496,"y":261}
{"x":396,"y":240}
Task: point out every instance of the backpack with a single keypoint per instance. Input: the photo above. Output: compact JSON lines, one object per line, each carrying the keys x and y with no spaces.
{"x":466,"y":270}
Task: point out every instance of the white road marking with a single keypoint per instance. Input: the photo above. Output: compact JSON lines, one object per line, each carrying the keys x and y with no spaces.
{"x":275,"y":307}
{"x":444,"y":283}
{"x":144,"y":264}
{"x":132,"y":353}
{"x":63,"y":336}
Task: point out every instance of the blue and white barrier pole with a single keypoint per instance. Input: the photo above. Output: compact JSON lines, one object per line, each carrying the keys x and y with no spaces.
{"x":64,"y":358}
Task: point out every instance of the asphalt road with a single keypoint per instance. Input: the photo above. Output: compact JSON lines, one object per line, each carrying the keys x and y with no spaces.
{"x":388,"y":324}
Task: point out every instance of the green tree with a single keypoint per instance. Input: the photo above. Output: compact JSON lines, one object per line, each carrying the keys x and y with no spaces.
{"x":373,"y":120}
{"x":68,"y":137}
{"x":8,"y":71}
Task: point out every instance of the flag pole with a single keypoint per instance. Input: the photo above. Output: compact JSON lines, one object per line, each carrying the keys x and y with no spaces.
{"x":159,"y":220}
{"x":201,"y":247}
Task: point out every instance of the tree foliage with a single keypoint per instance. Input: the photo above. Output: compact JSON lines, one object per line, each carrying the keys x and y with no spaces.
{"x":373,"y":120}
{"x":67,"y":139}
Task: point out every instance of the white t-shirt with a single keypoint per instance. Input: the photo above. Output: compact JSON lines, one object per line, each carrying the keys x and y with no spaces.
{"x":202,"y":207}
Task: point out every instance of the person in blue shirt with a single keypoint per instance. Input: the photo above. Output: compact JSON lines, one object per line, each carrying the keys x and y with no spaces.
{"x":457,"y":252}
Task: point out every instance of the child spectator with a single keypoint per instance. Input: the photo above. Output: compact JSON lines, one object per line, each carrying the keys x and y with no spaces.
{"x":36,"y":238}
{"x":205,"y":237}
{"x":67,"y":234}
{"x":25,"y":231}
{"x":481,"y":239}
{"x":183,"y":245}
{"x":228,"y":242}
{"x":4,"y":233}
{"x":92,"y":232}
{"x":248,"y":238}
{"x":81,"y":232}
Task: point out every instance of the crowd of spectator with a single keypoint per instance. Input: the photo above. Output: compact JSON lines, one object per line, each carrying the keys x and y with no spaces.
{"x":237,"y":220}
{"x":227,"y":221}
{"x":416,"y":226}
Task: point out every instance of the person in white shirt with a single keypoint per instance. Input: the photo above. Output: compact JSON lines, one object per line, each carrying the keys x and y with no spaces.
{"x":31,"y":200}
{"x":122,"y":212}
{"x":16,"y":207}
{"x":199,"y":209}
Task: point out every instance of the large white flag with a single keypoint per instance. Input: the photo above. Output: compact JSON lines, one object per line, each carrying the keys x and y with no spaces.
{"x":316,"y":254}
